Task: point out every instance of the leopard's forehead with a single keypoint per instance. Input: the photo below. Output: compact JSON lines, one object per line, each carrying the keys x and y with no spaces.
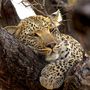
{"x":35,"y":23}
{"x":41,"y":21}
{"x":38,"y":20}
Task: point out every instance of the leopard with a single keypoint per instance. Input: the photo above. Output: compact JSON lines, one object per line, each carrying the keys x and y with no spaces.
{"x":61,"y":51}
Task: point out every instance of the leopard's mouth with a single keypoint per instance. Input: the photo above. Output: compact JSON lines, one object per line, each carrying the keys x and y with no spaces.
{"x":50,"y":54}
{"x":45,"y":51}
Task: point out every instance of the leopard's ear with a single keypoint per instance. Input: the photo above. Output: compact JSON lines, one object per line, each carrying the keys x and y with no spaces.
{"x":11,"y":29}
{"x":56,"y":16}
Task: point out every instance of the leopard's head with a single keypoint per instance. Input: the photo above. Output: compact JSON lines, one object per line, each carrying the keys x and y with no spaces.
{"x":44,"y":41}
{"x":40,"y":34}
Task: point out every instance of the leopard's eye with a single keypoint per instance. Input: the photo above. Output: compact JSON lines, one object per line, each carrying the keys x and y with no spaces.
{"x":50,"y":30}
{"x":35,"y":34}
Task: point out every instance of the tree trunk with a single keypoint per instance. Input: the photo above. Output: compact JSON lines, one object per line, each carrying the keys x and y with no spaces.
{"x":19,"y":66}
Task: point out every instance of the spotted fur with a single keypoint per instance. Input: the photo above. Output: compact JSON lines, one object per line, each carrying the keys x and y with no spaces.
{"x":70,"y":52}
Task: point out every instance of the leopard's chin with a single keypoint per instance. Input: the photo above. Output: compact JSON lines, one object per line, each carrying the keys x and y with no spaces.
{"x":52,"y":57}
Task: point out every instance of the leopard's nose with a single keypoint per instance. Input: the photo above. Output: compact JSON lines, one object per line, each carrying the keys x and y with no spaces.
{"x":51,"y":45}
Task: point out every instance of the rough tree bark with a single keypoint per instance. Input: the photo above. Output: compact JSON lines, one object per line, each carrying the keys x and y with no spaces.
{"x":19,"y":66}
